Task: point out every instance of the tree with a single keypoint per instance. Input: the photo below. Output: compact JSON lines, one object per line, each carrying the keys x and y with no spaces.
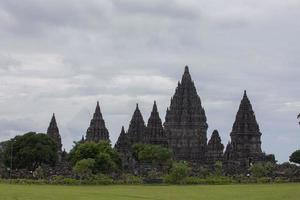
{"x":262,"y":169}
{"x":218,"y":168}
{"x":295,"y":157}
{"x":151,"y":153}
{"x":84,"y":167}
{"x":29,"y":151}
{"x":178,"y":173}
{"x":106,"y":158}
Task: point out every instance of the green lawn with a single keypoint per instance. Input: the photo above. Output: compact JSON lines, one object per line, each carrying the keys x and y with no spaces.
{"x":230,"y":192}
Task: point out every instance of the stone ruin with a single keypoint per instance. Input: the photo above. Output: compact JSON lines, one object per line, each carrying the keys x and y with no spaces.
{"x":184,"y":132}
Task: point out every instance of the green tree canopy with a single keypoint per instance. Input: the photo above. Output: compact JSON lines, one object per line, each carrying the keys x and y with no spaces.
{"x":151,"y":153}
{"x":106,"y":158}
{"x":262,"y":169}
{"x":84,"y":167}
{"x":295,"y":157}
{"x":178,"y":173}
{"x":30,"y":151}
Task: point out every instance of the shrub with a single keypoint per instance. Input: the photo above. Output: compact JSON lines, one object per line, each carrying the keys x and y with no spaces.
{"x":178,"y":173}
{"x":129,"y":179}
{"x":264,"y":180}
{"x":99,"y":179}
{"x":262,"y":169}
{"x":84,"y":167}
{"x":203,"y":172}
{"x":107,"y":160}
{"x":195,"y":180}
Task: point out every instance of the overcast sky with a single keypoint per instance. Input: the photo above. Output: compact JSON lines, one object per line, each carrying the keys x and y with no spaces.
{"x":63,"y":56}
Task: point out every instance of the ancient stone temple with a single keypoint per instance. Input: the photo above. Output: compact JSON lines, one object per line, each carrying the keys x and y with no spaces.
{"x":123,"y":146}
{"x":215,"y":148}
{"x":155,"y":133}
{"x":185,"y":123}
{"x":53,"y":132}
{"x":97,"y":130}
{"x":137,"y":129}
{"x":245,"y":146}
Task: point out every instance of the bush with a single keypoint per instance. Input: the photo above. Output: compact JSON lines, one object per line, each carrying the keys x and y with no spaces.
{"x":195,"y":181}
{"x":264,"y":180}
{"x":84,"y":167}
{"x":99,"y":179}
{"x":107,"y":160}
{"x":151,"y":153}
{"x":129,"y":179}
{"x":262,"y":169}
{"x":203,"y":172}
{"x":178,"y":173}
{"x":60,"y":180}
{"x":281,"y":180}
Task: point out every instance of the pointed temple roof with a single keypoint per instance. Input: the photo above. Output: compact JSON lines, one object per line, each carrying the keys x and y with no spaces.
{"x":154,"y":121}
{"x":245,"y":122}
{"x":137,"y":126}
{"x":215,"y":140}
{"x":97,"y":130}
{"x":155,"y":132}
{"x":122,"y":143}
{"x":53,"y":132}
{"x":185,"y":109}
{"x":228,"y":151}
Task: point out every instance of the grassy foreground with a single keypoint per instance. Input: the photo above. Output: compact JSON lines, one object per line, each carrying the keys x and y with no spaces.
{"x":118,"y":192}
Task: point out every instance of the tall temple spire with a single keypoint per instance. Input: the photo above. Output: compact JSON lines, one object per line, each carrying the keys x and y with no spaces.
{"x":122,"y":143}
{"x":123,"y":146}
{"x":186,"y":78}
{"x":245,"y":122}
{"x":53,"y":132}
{"x":186,"y":121}
{"x":245,"y":137}
{"x":137,"y":127}
{"x":155,"y":133}
{"x":97,"y":130}
{"x":215,"y":148}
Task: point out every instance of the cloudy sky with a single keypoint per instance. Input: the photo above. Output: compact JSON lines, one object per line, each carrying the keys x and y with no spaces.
{"x":62,"y":56}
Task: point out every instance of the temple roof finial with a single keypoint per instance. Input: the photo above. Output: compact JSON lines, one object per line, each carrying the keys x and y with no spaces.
{"x":186,"y":69}
{"x":154,"y":106}
{"x":245,"y":93}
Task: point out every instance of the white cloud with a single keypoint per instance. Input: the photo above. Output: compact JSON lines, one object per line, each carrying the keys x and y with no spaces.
{"x":63,"y":56}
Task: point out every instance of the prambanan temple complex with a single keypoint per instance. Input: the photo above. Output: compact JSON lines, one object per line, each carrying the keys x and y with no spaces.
{"x":184,"y":132}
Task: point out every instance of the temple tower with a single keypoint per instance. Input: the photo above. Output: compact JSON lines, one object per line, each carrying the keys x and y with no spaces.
{"x":137,"y":129}
{"x":53,"y":132}
{"x":245,"y":136}
{"x":185,"y":123}
{"x":155,"y":133}
{"x":215,"y":148}
{"x":97,"y":130}
{"x":123,"y":146}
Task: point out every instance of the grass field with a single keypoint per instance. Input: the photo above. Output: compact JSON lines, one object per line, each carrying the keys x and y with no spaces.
{"x":226,"y":192}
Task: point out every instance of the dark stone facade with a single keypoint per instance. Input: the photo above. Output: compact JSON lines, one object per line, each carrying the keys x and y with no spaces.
{"x":215,"y":148}
{"x":184,"y":132}
{"x":245,"y":146}
{"x":185,"y":123}
{"x":123,"y":146}
{"x":97,"y":130}
{"x":155,"y":133}
{"x":137,"y":129}
{"x":53,"y":132}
